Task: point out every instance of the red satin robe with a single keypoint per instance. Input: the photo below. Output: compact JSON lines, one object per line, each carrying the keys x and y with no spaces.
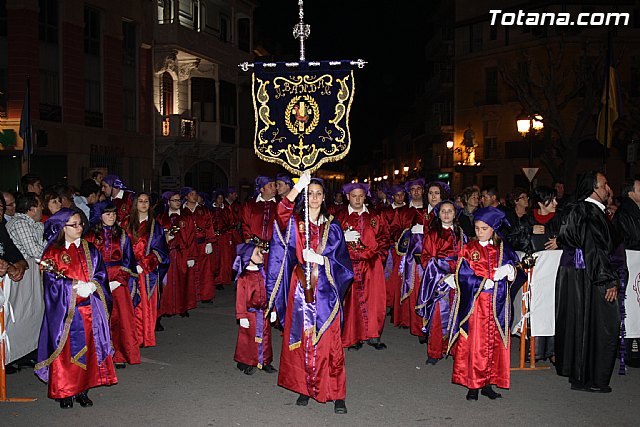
{"x":179,"y":288}
{"x":434,"y":246}
{"x":365,"y":301}
{"x":123,"y":206}
{"x":257,"y":219}
{"x":66,"y":378}
{"x":333,"y":208}
{"x":388,"y":213}
{"x":224,"y":247}
{"x":251,"y":295}
{"x":481,"y":358}
{"x":204,"y":269}
{"x":122,"y":320}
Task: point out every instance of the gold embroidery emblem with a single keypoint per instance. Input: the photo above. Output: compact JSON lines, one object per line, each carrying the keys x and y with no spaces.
{"x":301,"y":227}
{"x":182,"y":224}
{"x":123,"y":208}
{"x":66,"y":258}
{"x":373,"y":222}
{"x":475,"y":256}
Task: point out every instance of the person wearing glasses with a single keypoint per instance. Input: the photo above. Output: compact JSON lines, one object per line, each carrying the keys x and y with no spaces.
{"x":115,"y":247}
{"x":179,"y":292}
{"x":152,"y":257}
{"x":519,"y":234}
{"x":74,"y":348}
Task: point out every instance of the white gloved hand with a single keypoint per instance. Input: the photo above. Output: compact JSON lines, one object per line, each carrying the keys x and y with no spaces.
{"x":451,"y":281}
{"x":190,"y":263}
{"x":84,"y":289}
{"x":417,"y":229}
{"x":488,"y":284}
{"x":114,"y":285}
{"x":303,"y":181}
{"x":351,"y":236}
{"x":310,"y":256}
{"x":273,"y":317}
{"x":506,"y":270}
{"x":208,"y":249}
{"x":139,"y":269}
{"x":244,"y":323}
{"x":170,"y":237}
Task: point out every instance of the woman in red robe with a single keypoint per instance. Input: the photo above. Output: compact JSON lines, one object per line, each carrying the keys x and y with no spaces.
{"x":74,"y":349}
{"x":115,"y":247}
{"x":481,"y":312}
{"x":224,"y":245}
{"x":152,"y":257}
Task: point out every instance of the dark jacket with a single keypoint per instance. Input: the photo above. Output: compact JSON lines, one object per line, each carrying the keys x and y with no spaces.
{"x":627,"y":223}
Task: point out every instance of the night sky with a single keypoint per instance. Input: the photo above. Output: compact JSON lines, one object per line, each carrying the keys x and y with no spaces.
{"x":389,"y":35}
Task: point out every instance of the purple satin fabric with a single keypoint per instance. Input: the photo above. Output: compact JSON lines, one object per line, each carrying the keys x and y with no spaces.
{"x":259,"y":332}
{"x":159,"y":245}
{"x":578,"y":259}
{"x":388,"y":265}
{"x":433,"y":289}
{"x":410,"y":267}
{"x":57,"y":298}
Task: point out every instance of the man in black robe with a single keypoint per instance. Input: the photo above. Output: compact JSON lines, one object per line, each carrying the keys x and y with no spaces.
{"x":587,"y":284}
{"x":627,"y":223}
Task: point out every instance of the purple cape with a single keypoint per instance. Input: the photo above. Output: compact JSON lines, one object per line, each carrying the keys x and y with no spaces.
{"x":62,"y":322}
{"x":334,"y":279}
{"x":408,"y":264}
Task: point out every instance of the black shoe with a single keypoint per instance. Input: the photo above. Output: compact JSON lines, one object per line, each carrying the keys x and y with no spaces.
{"x":120,"y":365}
{"x":11,"y":369}
{"x":472,"y":394}
{"x":28,"y":361}
{"x":302,"y":400}
{"x":83,"y":399}
{"x":422,"y":339}
{"x":432,"y":361}
{"x":490,"y":393}
{"x":159,"y":327}
{"x":219,"y":287}
{"x":592,"y":389}
{"x":355,"y":347}
{"x":339,"y":407}
{"x":269,"y":369}
{"x":185,"y":314}
{"x":207,"y":301}
{"x":66,"y":403}
{"x":375,"y":343}
{"x":250,"y":370}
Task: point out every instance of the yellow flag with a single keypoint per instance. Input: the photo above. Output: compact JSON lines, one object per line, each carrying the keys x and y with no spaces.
{"x":605,"y":133}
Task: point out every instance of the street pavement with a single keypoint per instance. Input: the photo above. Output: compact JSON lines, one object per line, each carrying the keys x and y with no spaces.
{"x":190,"y":379}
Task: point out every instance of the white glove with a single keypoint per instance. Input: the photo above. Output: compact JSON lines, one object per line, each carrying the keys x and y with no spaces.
{"x":303,"y":181}
{"x":84,"y":289}
{"x":114,"y":285}
{"x":450,"y":280}
{"x":244,"y":323}
{"x":139,"y":269}
{"x":273,"y":317}
{"x":190,"y":263}
{"x":488,"y":284}
{"x":170,"y":237}
{"x":310,"y":256}
{"x":417,"y":229}
{"x":208,"y":248}
{"x":506,"y":270}
{"x":351,"y":236}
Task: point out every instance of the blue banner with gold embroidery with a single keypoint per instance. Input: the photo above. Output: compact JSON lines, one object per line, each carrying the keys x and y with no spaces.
{"x":302,"y":113}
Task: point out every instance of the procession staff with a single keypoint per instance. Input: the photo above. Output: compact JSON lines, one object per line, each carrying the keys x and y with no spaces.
{"x":368,"y":243}
{"x":312,"y":357}
{"x":74,"y":348}
{"x":115,"y":190}
{"x":479,"y":336}
{"x":253,"y":346}
{"x":179,"y":291}
{"x":117,"y":254}
{"x":201,"y":218}
{"x":152,"y":257}
{"x":440,"y":248}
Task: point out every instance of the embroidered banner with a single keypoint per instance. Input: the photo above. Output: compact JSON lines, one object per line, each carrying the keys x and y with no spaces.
{"x":302,"y":114}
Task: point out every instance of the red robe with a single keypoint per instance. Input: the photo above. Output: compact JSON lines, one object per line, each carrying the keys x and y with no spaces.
{"x":251,"y":301}
{"x":333,"y":208}
{"x":434,"y":246}
{"x":365,"y":301}
{"x":123,"y":320}
{"x":388,"y":213}
{"x":204,"y":269}
{"x":224,"y":248}
{"x":257,"y":219}
{"x":179,"y":288}
{"x":481,"y":358}
{"x":123,"y":206}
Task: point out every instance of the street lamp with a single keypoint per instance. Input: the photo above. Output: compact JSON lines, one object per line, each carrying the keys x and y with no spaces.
{"x":526,"y":124}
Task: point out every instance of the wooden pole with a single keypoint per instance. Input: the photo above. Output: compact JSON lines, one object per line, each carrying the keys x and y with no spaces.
{"x":3,"y":374}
